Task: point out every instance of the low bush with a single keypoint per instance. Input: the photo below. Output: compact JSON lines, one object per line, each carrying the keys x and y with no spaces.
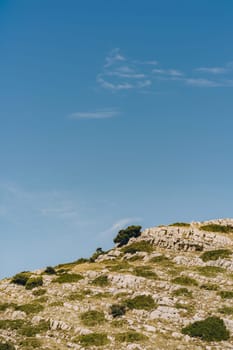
{"x":68,"y":278}
{"x":217,"y":228}
{"x":4,"y":306}
{"x":210,"y":329}
{"x":185,"y":281}
{"x":119,"y":323}
{"x":7,"y":346}
{"x":92,"y":318}
{"x":50,"y":270}
{"x":145,"y":271}
{"x":96,"y":254}
{"x":101,"y":281}
{"x":142,"y":246}
{"x":34,"y":282}
{"x":209,"y":271}
{"x":119,"y":266}
{"x":33,"y":308}
{"x":130,"y":337}
{"x":21,"y":278}
{"x":159,"y":259}
{"x":124,"y":236}
{"x":226,"y":310}
{"x":117,"y":310}
{"x":11,"y":324}
{"x":30,"y":330}
{"x":92,"y":339}
{"x":226,"y":294}
{"x":216,"y":254}
{"x":39,"y":292}
{"x":182,"y":292}
{"x":180,"y":224}
{"x":209,"y":286}
{"x":141,"y":302}
{"x":33,"y":343}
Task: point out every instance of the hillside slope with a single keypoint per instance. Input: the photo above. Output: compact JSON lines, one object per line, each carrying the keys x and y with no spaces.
{"x":145,"y":294}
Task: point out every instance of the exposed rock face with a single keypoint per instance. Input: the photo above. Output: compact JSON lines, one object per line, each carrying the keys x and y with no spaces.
{"x":160,"y":290}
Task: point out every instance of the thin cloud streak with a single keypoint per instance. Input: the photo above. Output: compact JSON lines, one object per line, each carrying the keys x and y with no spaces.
{"x":120,"y":224}
{"x":98,"y":114}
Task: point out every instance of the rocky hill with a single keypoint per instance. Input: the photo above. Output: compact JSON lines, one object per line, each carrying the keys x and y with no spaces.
{"x":168,"y":287}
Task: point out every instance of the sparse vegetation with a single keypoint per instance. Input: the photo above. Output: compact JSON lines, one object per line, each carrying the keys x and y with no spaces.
{"x":145,"y":271}
{"x":209,"y":286}
{"x":31,"y":343}
{"x":141,"y":302}
{"x":130,"y":337}
{"x":216,"y":254}
{"x":101,"y":281}
{"x":21,"y":278}
{"x":209,"y":271}
{"x":92,"y":318}
{"x":141,"y":246}
{"x":180,"y":224}
{"x":96,"y":254}
{"x":34,"y":282}
{"x":92,"y":339}
{"x":226,"y":310}
{"x":39,"y":292}
{"x":68,"y":278}
{"x":217,"y":228}
{"x":117,"y":310}
{"x":33,"y":308}
{"x":210,"y":329}
{"x":7,"y":346}
{"x":185,"y":281}
{"x":30,"y":330}
{"x":226,"y":294}
{"x":11,"y":324}
{"x":50,"y":270}
{"x":182,"y":292}
{"x":124,"y":236}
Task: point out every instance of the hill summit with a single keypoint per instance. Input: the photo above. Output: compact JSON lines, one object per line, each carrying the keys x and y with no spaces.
{"x":167,"y":287}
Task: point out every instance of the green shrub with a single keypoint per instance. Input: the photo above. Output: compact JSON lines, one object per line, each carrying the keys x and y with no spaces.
{"x":226,"y":294}
{"x":4,"y":306}
{"x":68,"y":278}
{"x":145,"y":271}
{"x":39,"y":292}
{"x":92,"y":318}
{"x":180,"y":224}
{"x":215,"y":254}
{"x":34,"y":282}
{"x":185,"y":281}
{"x":124,"y":236}
{"x":119,"y":266}
{"x":101,"y":281}
{"x":31,"y":343}
{"x":209,"y":271}
{"x":209,"y":286}
{"x":21,"y":278}
{"x":182,"y":292}
{"x":33,"y":308}
{"x":119,"y":323}
{"x":11,"y":324}
{"x":159,"y":259}
{"x":7,"y":346}
{"x":96,"y":254}
{"x":217,"y":228}
{"x":226,"y":310}
{"x":141,"y":302}
{"x":117,"y":310}
{"x":93,"y":339}
{"x":210,"y":329}
{"x":130,"y":337}
{"x":50,"y":270}
{"x":142,"y":246}
{"x":30,"y":330}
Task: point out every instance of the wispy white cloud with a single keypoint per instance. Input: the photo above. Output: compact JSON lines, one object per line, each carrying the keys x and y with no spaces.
{"x":212,"y":70}
{"x":120,"y":224}
{"x":200,"y":82}
{"x":113,"y":57}
{"x":121,"y":73}
{"x":98,"y":114}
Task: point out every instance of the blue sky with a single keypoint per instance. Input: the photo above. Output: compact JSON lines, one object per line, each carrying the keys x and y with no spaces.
{"x":112,"y":113}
